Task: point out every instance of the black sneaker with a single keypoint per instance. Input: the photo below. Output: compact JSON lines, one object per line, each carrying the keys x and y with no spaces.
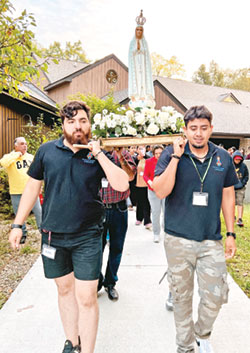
{"x":68,"y":348}
{"x":240,"y":223}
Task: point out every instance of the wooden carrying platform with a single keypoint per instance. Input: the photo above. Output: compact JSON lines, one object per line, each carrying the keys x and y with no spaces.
{"x":137,"y":141}
{"x":112,"y":142}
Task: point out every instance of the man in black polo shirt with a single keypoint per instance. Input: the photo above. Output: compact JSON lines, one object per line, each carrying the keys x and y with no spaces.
{"x":71,"y":221}
{"x":197,"y":178}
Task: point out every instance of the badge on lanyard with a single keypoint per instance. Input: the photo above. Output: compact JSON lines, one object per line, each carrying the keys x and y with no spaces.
{"x":48,"y":250}
{"x":200,"y":198}
{"x":104,"y":183}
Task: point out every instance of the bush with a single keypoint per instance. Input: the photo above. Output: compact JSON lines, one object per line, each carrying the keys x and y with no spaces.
{"x":5,"y":202}
{"x":40,"y":133}
{"x":97,"y":105}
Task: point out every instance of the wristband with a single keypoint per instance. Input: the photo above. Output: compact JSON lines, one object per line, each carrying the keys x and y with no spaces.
{"x":16,"y":226}
{"x":96,"y":156}
{"x":175,"y":156}
{"x":228,"y":234}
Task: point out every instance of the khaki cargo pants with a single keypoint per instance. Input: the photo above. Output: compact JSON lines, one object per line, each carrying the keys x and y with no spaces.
{"x":207,"y":259}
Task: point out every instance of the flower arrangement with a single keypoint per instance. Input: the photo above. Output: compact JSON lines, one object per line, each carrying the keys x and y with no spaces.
{"x":146,"y":122}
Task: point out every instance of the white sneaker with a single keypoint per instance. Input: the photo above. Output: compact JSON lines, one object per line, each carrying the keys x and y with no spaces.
{"x":156,"y":238}
{"x":204,"y":345}
{"x":169,"y":302}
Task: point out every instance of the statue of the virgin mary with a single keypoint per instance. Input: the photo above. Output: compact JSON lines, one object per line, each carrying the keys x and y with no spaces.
{"x":140,"y":83}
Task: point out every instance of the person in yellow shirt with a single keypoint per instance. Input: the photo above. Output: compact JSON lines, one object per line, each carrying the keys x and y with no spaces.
{"x":16,"y":164}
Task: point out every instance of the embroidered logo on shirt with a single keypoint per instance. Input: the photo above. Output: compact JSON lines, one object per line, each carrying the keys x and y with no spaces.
{"x":90,"y":155}
{"x":218,"y":166}
{"x":218,"y":163}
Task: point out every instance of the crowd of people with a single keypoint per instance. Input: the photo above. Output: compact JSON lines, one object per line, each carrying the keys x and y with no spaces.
{"x":179,"y":189}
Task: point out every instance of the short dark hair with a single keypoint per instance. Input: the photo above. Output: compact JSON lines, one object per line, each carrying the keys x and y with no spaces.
{"x":197,"y":112}
{"x":70,"y":110}
{"x":156,"y":147}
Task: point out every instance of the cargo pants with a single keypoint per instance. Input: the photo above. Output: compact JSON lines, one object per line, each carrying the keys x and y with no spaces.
{"x":208,"y":260}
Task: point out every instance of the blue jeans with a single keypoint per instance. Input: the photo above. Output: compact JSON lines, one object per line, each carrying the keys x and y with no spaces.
{"x":37,"y":210}
{"x":116,"y":224}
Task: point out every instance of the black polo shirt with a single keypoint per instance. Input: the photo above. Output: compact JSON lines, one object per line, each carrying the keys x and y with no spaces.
{"x":72,"y":184}
{"x":182,"y":219}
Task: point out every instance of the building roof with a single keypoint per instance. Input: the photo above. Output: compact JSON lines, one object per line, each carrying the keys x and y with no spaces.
{"x":64,"y":68}
{"x":230,"y":117}
{"x":38,"y":96}
{"x":75,"y":71}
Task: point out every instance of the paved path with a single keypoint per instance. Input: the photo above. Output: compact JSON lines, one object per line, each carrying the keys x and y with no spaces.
{"x":137,"y":323}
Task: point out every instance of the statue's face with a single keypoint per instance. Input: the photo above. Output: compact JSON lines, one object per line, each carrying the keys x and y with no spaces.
{"x":139,"y":32}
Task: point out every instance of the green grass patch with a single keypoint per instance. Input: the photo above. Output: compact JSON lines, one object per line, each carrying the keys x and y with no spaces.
{"x":239,"y":266}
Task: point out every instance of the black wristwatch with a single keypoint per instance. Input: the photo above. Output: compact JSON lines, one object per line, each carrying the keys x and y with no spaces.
{"x":231,"y":234}
{"x":175,"y":156}
{"x":16,"y":226}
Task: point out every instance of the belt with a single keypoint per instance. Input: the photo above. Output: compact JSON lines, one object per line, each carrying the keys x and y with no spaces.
{"x":115,"y":205}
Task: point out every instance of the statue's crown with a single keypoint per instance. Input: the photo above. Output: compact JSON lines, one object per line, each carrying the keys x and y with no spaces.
{"x":140,"y":20}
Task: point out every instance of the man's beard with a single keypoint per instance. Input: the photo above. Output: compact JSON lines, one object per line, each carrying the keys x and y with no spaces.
{"x":72,"y":139}
{"x":198,"y":147}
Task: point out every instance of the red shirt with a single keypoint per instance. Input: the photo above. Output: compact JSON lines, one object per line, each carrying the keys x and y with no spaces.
{"x":109,"y":195}
{"x":149,"y":170}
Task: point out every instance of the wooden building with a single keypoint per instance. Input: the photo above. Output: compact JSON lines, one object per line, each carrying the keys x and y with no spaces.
{"x":98,"y":78}
{"x":16,"y":113}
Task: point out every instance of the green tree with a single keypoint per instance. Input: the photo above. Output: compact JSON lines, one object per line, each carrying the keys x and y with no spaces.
{"x":166,"y":67}
{"x":39,"y":133}
{"x":97,"y":105}
{"x":71,"y":52}
{"x":215,"y":76}
{"x":16,"y":48}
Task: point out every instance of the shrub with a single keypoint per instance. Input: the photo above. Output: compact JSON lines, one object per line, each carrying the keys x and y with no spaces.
{"x":5,"y":202}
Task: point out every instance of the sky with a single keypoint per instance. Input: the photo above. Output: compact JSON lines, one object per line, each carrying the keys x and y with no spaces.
{"x":195,"y":31}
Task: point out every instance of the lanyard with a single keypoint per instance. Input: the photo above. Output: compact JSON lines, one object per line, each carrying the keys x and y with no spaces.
{"x":205,"y":174}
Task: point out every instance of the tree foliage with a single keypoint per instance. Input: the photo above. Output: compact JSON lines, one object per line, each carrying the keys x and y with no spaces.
{"x":216,"y":76}
{"x":39,"y":133}
{"x":16,"y":48}
{"x":71,"y":52}
{"x":166,"y":67}
{"x":97,"y":105}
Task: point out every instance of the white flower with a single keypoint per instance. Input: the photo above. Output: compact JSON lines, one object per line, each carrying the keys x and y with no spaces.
{"x":104,"y":112}
{"x":152,"y":129}
{"x":173,"y":127}
{"x":140,"y":119}
{"x":129,"y":114}
{"x":97,"y":118}
{"x":131,"y":131}
{"x":152,"y":112}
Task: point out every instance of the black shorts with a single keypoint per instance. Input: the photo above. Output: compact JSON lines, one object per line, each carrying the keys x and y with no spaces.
{"x":80,"y":253}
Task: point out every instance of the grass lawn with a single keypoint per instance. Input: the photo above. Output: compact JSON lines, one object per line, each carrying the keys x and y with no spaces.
{"x":239,"y":266}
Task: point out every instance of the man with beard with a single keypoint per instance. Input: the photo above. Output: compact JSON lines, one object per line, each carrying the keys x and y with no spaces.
{"x":197,"y":178}
{"x":72,"y":221}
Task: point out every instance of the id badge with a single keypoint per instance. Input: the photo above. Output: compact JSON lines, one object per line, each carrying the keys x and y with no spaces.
{"x":200,"y":199}
{"x":49,"y":251}
{"x":104,"y":183}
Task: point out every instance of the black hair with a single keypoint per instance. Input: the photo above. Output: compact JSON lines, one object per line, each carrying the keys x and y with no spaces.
{"x":71,"y":109}
{"x":197,"y":112}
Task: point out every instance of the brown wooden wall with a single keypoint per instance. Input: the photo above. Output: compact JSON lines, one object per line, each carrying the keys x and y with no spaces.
{"x":162,"y":99}
{"x":92,"y":81}
{"x":10,"y":128}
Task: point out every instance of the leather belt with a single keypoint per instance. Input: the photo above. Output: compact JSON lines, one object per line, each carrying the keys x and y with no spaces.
{"x":116,"y":205}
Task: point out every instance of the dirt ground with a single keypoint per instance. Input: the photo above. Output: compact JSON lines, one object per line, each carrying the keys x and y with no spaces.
{"x":15,"y":264}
